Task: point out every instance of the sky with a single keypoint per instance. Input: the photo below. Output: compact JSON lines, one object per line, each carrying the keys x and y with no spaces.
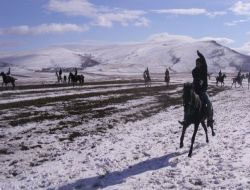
{"x":34,"y":24}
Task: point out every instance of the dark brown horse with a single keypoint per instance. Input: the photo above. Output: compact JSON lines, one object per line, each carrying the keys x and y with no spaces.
{"x":220,"y":79}
{"x":197,"y":113}
{"x":7,"y":79}
{"x":75,"y":78}
{"x":248,"y":79}
{"x":238,"y":80}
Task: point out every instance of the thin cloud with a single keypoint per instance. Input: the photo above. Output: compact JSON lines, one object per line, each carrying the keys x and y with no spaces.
{"x":99,"y":15}
{"x":236,"y":22}
{"x":191,"y":12}
{"x":43,"y":29}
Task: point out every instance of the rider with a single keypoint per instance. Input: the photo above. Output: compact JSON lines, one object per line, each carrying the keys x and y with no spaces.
{"x":200,"y":86}
{"x":220,"y":74}
{"x":60,"y":72}
{"x":8,"y":73}
{"x":75,"y":71}
{"x":239,"y":75}
{"x":167,"y":72}
{"x":147,"y":73}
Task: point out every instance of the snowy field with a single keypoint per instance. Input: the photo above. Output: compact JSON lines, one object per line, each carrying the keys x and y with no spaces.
{"x":118,"y":135}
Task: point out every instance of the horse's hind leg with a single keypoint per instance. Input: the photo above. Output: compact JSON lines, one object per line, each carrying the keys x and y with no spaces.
{"x":182,"y":135}
{"x":205,"y":129}
{"x":13,"y":85}
{"x":193,"y":139}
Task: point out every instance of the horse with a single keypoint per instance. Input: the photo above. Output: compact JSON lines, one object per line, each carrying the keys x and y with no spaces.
{"x":59,"y":77}
{"x":238,"y":80}
{"x":167,"y":79}
{"x":209,"y":75}
{"x":248,"y":79}
{"x":8,"y":79}
{"x":64,"y":79}
{"x":147,"y":80}
{"x":75,"y":78}
{"x":197,"y":114}
{"x":220,"y":79}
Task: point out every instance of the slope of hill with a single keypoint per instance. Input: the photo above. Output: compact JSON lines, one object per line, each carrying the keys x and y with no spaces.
{"x":179,"y":55}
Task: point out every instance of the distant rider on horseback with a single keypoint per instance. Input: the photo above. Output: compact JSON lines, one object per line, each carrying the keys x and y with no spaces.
{"x":200,"y":85}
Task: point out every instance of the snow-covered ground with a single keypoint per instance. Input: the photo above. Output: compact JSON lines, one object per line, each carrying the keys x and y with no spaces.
{"x":126,"y":137}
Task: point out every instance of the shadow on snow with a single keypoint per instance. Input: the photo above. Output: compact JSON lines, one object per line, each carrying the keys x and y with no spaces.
{"x":118,"y":177}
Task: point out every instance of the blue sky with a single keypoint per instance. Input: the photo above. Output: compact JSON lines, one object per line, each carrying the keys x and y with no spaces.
{"x":32,"y":24}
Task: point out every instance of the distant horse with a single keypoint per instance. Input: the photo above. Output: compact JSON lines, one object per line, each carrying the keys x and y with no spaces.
{"x":147,"y":80}
{"x":197,"y":113}
{"x":167,"y":79}
{"x":75,"y":78}
{"x":59,"y":77}
{"x":220,"y":79}
{"x":8,"y":79}
{"x":248,"y":79}
{"x":238,"y":80}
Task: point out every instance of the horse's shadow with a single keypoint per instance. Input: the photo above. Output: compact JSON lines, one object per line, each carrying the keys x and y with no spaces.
{"x":118,"y":177}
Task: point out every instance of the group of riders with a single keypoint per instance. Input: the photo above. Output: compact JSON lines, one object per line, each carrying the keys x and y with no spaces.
{"x":72,"y":78}
{"x":147,"y":77}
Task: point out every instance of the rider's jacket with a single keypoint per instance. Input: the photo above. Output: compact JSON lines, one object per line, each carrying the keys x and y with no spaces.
{"x":200,"y":76}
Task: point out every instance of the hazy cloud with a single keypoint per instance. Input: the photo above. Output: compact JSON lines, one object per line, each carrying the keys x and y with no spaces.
{"x":43,"y":29}
{"x":168,"y":37}
{"x":221,"y":40}
{"x":244,"y":49}
{"x":73,"y":7}
{"x":241,"y":8}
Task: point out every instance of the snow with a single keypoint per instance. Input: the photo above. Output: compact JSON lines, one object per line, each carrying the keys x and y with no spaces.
{"x":141,"y":154}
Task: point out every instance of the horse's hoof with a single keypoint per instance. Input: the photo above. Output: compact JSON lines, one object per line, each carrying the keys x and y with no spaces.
{"x":190,"y":155}
{"x":207,"y":141}
{"x":181,"y":145}
{"x":213,"y":134}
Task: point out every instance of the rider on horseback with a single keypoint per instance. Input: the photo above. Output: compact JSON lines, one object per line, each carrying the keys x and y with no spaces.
{"x":200,"y":87}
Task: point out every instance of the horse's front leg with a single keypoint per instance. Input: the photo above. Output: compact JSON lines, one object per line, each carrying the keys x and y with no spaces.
{"x":193,"y":139}
{"x":205,"y":129}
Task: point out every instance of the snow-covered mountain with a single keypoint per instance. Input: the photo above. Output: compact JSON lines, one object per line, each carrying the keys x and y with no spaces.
{"x":179,"y":55}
